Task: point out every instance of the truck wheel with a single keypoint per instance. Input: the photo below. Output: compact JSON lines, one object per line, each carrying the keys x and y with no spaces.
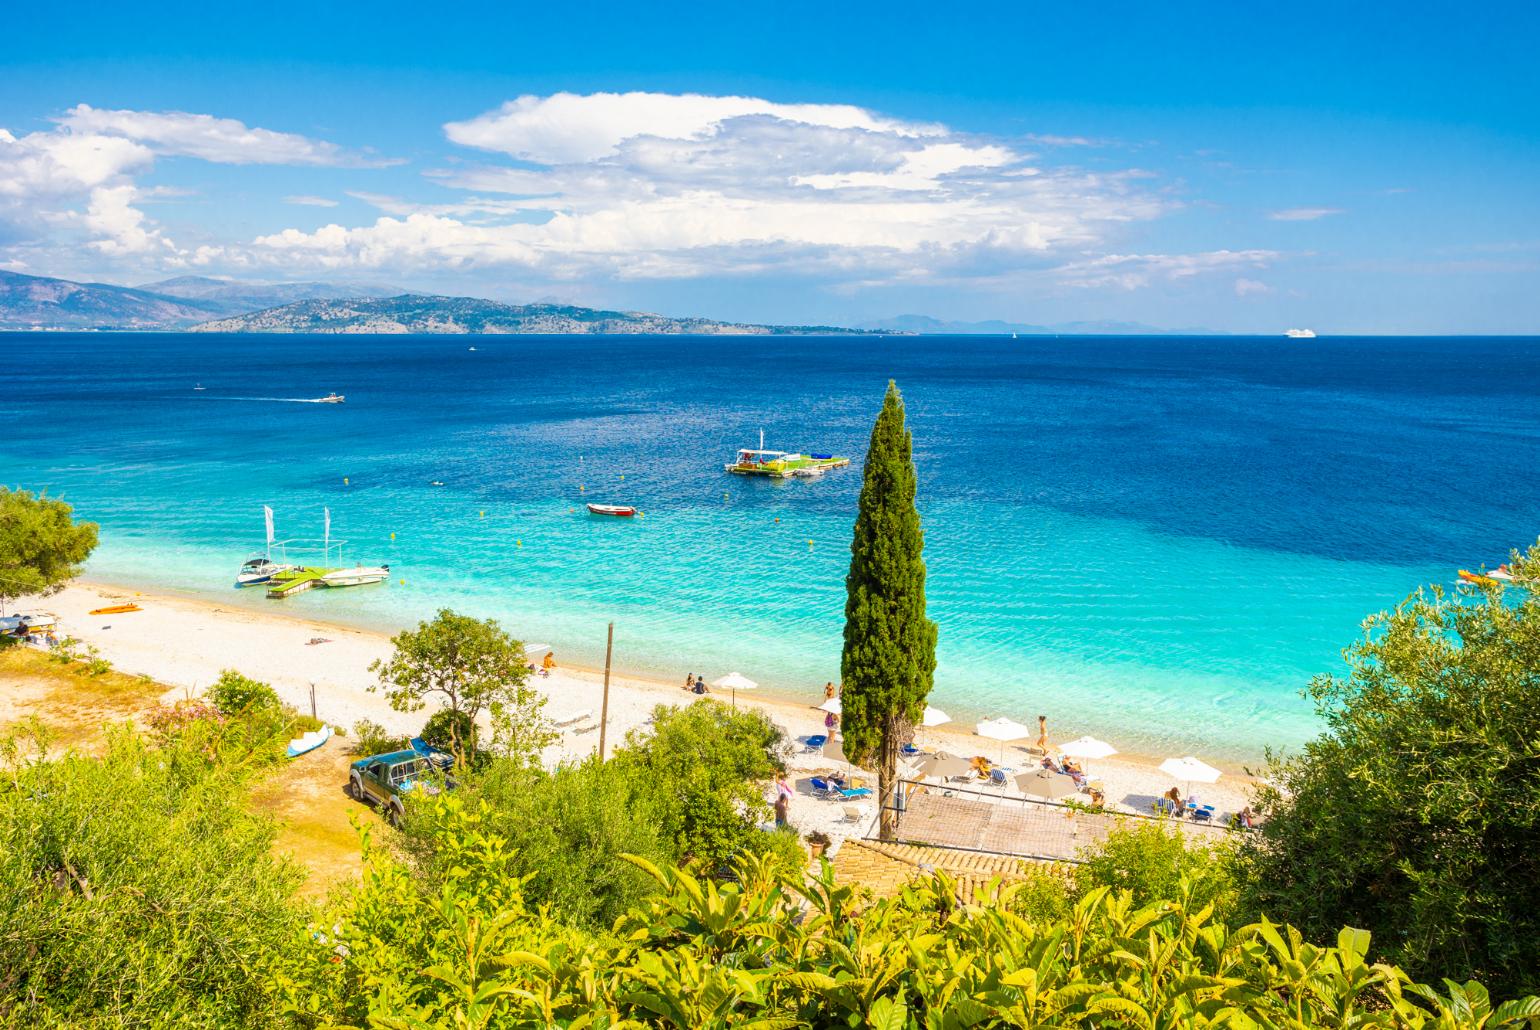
{"x":355,"y":788}
{"x":394,"y":814}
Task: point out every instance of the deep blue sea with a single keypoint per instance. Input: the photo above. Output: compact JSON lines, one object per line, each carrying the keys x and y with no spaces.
{"x":1158,"y":540}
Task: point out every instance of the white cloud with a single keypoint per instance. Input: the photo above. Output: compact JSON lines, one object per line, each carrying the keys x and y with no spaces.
{"x":567,"y":127}
{"x":1248,"y":287}
{"x":118,"y":226}
{"x":306,"y":200}
{"x":220,"y":140}
{"x":647,"y":185}
{"x":1304,"y":214}
{"x":1133,"y":271}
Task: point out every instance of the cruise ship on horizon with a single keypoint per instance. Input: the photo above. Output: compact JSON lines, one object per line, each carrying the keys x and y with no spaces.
{"x":1300,"y":334}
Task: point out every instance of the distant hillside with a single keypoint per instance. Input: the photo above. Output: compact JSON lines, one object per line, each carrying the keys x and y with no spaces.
{"x":926,"y":325}
{"x":236,"y":296}
{"x":411,"y":313}
{"x":31,"y":301}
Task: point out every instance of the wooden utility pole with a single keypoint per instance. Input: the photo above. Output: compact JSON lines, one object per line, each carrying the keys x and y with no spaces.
{"x":604,"y":710}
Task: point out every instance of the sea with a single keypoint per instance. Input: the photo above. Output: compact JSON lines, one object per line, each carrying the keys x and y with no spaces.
{"x":1156,"y":540}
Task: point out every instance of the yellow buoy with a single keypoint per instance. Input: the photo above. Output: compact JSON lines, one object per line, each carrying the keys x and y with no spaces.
{"x":777,"y":518}
{"x":483,"y":514}
{"x":810,"y":543}
{"x":403,"y":582}
{"x":344,"y":480}
{"x":581,"y":488}
{"x":392,"y":536}
{"x":518,"y":543}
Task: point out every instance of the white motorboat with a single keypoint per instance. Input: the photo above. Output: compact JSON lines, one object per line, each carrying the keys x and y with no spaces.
{"x":259,"y":570}
{"x":1300,"y":334}
{"x":358,"y":576}
{"x":331,"y":398}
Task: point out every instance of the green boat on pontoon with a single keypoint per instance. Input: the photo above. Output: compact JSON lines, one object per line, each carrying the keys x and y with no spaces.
{"x":781,"y":464}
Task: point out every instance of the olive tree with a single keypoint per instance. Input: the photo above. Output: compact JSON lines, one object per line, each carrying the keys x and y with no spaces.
{"x":471,"y":666}
{"x":41,"y":545}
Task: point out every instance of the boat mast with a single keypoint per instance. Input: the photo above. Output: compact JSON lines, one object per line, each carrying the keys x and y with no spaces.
{"x":267,"y":514}
{"x":326,"y":540}
{"x":761,"y":439}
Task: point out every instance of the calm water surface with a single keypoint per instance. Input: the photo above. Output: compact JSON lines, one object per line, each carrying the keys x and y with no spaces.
{"x":1159,"y":540}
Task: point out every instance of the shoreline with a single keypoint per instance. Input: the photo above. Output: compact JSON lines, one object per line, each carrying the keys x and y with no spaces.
{"x":189,"y":638}
{"x":956,"y":738}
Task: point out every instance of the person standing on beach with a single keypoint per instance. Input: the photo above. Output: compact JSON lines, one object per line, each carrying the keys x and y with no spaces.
{"x":828,"y":691}
{"x":782,"y":801}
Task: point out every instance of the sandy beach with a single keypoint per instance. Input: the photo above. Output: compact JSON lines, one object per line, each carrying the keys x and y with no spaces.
{"x":185,"y":642}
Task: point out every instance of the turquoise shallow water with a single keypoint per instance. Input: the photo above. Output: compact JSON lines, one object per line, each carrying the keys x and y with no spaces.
{"x":1156,"y":540}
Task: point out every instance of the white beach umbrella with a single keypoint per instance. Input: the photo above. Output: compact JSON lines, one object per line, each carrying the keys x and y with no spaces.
{"x":735,"y":681}
{"x":1087,"y":747}
{"x":1003,"y":730}
{"x":1189,"y":770}
{"x":934,"y":717}
{"x":832,"y":705}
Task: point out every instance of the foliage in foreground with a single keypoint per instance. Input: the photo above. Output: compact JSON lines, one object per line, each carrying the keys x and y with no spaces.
{"x":683,"y":792}
{"x":135,"y":890}
{"x":777,"y":950}
{"x":1417,"y":815}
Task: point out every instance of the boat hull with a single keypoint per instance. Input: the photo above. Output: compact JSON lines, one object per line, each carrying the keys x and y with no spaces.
{"x":611,"y":510}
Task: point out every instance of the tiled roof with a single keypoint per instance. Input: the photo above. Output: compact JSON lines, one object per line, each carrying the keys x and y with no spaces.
{"x":886,"y":869}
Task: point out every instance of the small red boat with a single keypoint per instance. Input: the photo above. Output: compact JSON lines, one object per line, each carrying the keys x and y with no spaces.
{"x":611,"y":509}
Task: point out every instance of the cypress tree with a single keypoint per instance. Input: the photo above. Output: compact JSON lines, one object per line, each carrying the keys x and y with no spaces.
{"x":889,"y":659}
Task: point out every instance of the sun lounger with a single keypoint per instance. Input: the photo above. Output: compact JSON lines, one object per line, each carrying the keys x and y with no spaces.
{"x":814,"y":744}
{"x":854,"y":813}
{"x":855,"y":792}
{"x":910,"y":751}
{"x":822,"y":788}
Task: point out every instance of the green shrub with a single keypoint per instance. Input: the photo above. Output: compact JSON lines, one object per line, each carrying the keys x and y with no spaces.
{"x":138,"y":891}
{"x":233,"y":694}
{"x":706,"y":762}
{"x":1417,"y":814}
{"x":370,"y":738}
{"x":453,"y":732}
{"x":1154,"y":862}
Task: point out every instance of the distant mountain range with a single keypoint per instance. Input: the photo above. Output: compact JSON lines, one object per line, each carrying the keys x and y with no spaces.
{"x":38,"y":302}
{"x":199,"y":304}
{"x":412,"y":313}
{"x":925,"y":325}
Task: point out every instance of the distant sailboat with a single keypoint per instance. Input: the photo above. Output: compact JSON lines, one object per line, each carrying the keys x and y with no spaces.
{"x":1300,"y":334}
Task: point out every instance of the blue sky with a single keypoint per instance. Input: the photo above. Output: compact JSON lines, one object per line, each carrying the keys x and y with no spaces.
{"x":1365,"y":167}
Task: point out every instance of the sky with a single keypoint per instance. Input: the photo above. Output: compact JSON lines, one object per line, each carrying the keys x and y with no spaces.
{"x":1366,"y":167}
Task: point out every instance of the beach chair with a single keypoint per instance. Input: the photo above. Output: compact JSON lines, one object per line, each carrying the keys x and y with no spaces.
{"x":822,"y":788}
{"x":910,"y":751}
{"x":854,"y":813}
{"x":814,"y":744}
{"x":997,"y":777}
{"x":851,"y":793}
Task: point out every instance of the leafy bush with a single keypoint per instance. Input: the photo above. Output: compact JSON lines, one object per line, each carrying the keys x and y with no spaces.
{"x":706,"y":761}
{"x":233,"y":694}
{"x":370,"y":738}
{"x":1154,"y":862}
{"x":453,"y":732}
{"x":1417,"y":814}
{"x":137,"y":891}
{"x":773,"y":949}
